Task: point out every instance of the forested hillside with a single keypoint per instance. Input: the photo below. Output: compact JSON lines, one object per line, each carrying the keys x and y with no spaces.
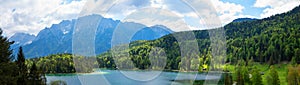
{"x":270,"y":41}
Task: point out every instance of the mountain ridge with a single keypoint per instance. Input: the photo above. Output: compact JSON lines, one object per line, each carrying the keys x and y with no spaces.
{"x":244,"y":19}
{"x":58,"y":38}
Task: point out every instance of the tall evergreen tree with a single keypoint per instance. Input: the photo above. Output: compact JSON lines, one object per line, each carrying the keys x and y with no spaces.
{"x":7,"y":67}
{"x":22,"y":68}
{"x":5,"y":51}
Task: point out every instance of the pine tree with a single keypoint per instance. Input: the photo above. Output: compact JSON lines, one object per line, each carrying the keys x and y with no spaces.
{"x":35,"y":76}
{"x":7,"y":67}
{"x":5,"y":51}
{"x":22,"y":68}
{"x":271,"y":52}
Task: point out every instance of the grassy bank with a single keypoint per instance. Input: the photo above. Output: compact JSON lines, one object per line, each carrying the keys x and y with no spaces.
{"x":264,"y":69}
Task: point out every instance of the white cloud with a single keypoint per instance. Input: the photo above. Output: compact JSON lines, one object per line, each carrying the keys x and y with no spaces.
{"x":31,"y":16}
{"x":228,"y":11}
{"x":273,"y":7}
{"x":155,"y":16}
{"x":212,"y":13}
{"x":116,"y":9}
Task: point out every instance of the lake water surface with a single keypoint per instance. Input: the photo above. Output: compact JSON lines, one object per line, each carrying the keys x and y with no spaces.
{"x":116,"y":77}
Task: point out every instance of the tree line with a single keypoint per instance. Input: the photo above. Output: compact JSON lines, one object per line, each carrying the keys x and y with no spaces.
{"x":15,"y":72}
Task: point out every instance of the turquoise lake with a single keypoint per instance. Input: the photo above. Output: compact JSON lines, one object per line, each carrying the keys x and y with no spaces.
{"x":116,"y":77}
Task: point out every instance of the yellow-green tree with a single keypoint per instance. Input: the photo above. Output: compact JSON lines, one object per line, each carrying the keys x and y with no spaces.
{"x":256,"y":77}
{"x":293,"y":76}
{"x":272,"y":77}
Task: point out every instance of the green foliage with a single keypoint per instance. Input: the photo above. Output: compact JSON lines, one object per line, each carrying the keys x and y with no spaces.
{"x":83,"y":64}
{"x":242,"y":74}
{"x":256,"y":77}
{"x":22,"y":68}
{"x":228,"y":79}
{"x":293,"y":61}
{"x":64,"y":63}
{"x":8,"y":69}
{"x":239,"y":76}
{"x":140,"y":56}
{"x":272,"y":77}
{"x":270,"y":40}
{"x":16,"y":73}
{"x":293,"y":77}
{"x":5,"y":51}
{"x":106,"y":61}
{"x":8,"y":73}
{"x":58,"y":82}
{"x":36,"y":77}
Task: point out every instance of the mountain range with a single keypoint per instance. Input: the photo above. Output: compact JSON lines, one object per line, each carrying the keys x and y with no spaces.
{"x":58,"y":38}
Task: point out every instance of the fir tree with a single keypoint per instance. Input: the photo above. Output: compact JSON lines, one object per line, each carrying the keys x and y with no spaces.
{"x":35,"y":76}
{"x":7,"y":67}
{"x":22,"y":68}
{"x":5,"y":51}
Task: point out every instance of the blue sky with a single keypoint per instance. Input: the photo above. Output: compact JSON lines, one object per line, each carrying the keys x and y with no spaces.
{"x":249,"y":7}
{"x":31,"y":16}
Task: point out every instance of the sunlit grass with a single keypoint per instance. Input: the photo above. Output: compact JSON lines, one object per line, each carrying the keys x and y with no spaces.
{"x":264,"y":68}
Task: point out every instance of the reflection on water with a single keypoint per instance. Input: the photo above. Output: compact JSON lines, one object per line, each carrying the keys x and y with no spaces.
{"x":115,"y":77}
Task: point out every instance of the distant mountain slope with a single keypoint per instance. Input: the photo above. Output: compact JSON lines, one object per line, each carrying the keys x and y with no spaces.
{"x":20,"y":39}
{"x":58,"y":38}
